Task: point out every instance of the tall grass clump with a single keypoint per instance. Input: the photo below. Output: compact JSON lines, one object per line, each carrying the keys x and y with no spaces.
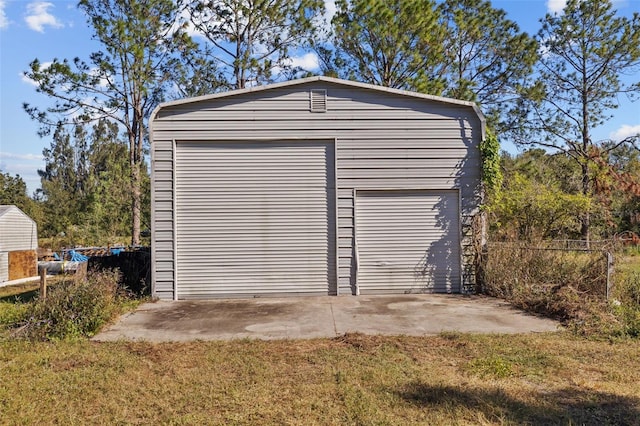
{"x":625,"y":304}
{"x":74,"y":308}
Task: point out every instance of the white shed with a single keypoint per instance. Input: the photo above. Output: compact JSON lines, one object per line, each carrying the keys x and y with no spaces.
{"x":18,"y":244}
{"x":314,"y":186}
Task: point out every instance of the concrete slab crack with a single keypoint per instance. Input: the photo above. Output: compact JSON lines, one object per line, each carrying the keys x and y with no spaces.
{"x":333,"y":318}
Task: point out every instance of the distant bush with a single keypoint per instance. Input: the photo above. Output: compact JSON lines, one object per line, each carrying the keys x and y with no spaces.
{"x":74,"y":308}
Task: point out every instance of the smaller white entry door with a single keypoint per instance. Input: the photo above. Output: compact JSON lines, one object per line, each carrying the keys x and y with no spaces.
{"x":408,"y":242}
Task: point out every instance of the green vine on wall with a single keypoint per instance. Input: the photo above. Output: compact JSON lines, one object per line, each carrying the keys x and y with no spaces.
{"x":491,"y":171}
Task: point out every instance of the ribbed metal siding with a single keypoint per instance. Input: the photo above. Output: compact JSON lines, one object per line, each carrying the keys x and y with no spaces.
{"x":4,"y":266}
{"x":17,"y":230}
{"x":253,"y":218}
{"x":379,"y":136}
{"x":162,"y":224}
{"x":407,"y":241}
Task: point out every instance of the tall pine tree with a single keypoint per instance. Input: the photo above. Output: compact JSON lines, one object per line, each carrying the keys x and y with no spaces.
{"x":136,"y":66}
{"x":252,"y":40}
{"x":393,"y":44}
{"x":487,"y":58}
{"x":586,"y":51}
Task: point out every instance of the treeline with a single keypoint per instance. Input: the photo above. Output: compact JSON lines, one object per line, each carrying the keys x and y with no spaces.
{"x":85,"y":194}
{"x":86,"y":190}
{"x":540,"y":196}
{"x":548,"y":90}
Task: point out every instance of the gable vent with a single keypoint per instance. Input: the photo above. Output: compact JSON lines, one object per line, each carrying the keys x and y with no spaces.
{"x":318,"y":100}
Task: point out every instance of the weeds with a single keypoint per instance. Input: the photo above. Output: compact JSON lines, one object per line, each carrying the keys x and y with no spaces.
{"x":554,"y":283}
{"x":626,"y":305}
{"x":492,"y":366}
{"x":74,"y":308}
{"x":566,"y":285}
{"x":11,"y":313}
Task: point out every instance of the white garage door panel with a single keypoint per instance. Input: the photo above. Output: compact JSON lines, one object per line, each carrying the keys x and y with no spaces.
{"x":408,"y":241}
{"x":252,"y":218}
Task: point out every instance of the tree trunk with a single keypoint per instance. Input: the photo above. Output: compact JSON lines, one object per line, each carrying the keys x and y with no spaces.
{"x":135,"y":204}
{"x":136,"y":185}
{"x":586,"y":144}
{"x":586,"y":217}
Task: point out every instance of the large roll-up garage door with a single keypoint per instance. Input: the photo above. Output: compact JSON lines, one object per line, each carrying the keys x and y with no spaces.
{"x":253,"y":218}
{"x":407,"y":241}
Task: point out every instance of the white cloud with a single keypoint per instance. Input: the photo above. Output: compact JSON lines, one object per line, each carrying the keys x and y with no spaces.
{"x":330,"y":9}
{"x":4,"y":21}
{"x":27,"y":80}
{"x":324,"y":21}
{"x":556,"y":6}
{"x":25,"y":165}
{"x":28,"y":157}
{"x":624,"y":132}
{"x":330,"y":6}
{"x":38,"y":16}
{"x":308,"y":61}
{"x":95,"y":72}
{"x":185,"y":23}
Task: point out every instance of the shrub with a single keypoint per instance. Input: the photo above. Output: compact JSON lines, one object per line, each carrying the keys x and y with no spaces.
{"x":74,"y":308}
{"x":526,"y":209}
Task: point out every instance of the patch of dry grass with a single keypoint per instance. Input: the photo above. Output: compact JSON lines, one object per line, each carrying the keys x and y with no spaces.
{"x":448,"y":379}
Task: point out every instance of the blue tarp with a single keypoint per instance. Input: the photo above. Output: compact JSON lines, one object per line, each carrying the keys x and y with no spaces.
{"x":77,"y":257}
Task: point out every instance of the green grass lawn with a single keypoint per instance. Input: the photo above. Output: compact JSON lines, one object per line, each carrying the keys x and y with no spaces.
{"x":552,"y":378}
{"x":628,"y":263}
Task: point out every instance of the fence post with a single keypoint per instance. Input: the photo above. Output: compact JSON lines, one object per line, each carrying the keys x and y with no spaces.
{"x":609,"y":264}
{"x":43,"y":283}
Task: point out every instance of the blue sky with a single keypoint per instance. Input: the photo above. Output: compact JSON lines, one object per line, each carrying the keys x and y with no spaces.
{"x":57,"y":29}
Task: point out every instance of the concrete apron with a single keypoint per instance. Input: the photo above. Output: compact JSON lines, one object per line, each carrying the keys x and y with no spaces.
{"x":321,"y":316}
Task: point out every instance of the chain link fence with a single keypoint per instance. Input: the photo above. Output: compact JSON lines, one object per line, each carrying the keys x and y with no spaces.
{"x":547,"y":278}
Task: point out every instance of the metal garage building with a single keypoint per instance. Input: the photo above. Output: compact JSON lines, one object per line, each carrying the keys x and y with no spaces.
{"x":18,"y":244}
{"x":313,"y":186}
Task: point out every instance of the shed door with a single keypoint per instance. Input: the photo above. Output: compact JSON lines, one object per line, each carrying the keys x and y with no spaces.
{"x":253,"y":218}
{"x":408,"y":241}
